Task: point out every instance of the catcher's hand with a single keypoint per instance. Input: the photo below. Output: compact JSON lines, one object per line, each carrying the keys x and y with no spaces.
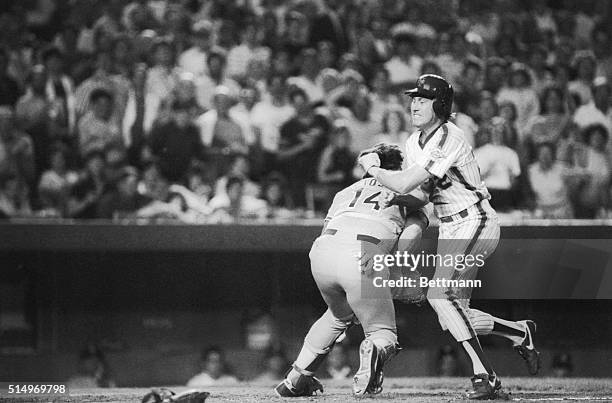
{"x":407,"y":295}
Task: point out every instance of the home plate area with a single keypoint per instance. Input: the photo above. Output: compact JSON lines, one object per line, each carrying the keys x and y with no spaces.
{"x":396,"y":390}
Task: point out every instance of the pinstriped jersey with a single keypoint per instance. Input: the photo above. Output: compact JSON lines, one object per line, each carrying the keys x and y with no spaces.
{"x":360,"y":200}
{"x":456,"y":183}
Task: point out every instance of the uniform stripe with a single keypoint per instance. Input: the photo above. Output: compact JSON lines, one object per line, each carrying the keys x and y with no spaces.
{"x":483,"y":222}
{"x":444,"y":136}
{"x":465,"y":319}
{"x":431,"y":135}
{"x":465,"y":183}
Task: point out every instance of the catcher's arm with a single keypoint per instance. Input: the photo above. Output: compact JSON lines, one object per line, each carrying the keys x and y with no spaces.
{"x":411,"y":201}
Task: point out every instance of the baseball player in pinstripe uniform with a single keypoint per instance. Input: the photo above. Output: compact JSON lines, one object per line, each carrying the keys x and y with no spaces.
{"x":440,"y":160}
{"x":356,"y":229}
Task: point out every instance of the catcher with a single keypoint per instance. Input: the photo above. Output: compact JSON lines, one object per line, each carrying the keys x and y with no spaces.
{"x":357,"y":228}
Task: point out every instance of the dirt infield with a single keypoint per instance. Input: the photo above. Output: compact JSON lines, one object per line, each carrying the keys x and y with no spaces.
{"x":396,"y":390}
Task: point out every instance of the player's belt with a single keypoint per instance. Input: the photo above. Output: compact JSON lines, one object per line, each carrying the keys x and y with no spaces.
{"x":462,"y":214}
{"x":359,"y":237}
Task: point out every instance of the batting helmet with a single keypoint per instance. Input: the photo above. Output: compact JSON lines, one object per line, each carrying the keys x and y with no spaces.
{"x":437,"y":88}
{"x":390,"y":155}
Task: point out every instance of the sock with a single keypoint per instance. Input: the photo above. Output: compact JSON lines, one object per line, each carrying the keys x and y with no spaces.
{"x":485,"y":324}
{"x":509,"y":329}
{"x":480,"y":363}
{"x":308,"y":361}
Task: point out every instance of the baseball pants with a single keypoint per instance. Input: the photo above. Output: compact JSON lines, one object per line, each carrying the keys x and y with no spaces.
{"x":472,"y":232}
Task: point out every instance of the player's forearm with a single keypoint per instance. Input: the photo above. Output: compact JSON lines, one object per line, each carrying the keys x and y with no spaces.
{"x":400,"y":181}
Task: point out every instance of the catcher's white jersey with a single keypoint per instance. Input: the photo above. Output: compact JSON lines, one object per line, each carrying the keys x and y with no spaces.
{"x":360,"y":200}
{"x":447,"y":155}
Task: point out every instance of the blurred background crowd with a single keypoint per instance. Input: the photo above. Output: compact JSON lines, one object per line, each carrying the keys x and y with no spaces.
{"x":216,"y":110}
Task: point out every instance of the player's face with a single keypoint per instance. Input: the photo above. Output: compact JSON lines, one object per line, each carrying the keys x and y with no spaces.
{"x":422,"y":111}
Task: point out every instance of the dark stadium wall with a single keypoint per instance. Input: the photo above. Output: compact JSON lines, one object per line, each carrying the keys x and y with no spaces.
{"x":153,"y":307}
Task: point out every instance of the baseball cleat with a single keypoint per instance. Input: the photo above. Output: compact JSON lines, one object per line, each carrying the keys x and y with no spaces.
{"x":486,"y":387}
{"x":527,"y":348}
{"x":366,"y":379}
{"x":305,"y":386}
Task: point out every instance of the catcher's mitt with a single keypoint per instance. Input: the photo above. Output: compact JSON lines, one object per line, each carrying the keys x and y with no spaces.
{"x":407,"y":295}
{"x":164,"y":395}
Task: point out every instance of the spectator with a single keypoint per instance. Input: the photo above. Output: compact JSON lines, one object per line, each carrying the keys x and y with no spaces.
{"x":508,"y":112}
{"x":220,"y":134}
{"x":471,"y":82}
{"x":91,"y":184}
{"x":9,"y":89}
{"x":55,"y":184}
{"x":541,"y":74}
{"x":452,"y":61}
{"x":161,"y":80}
{"x":234,"y":203}
{"x":488,"y":109}
{"x":115,"y":159}
{"x":499,"y":166}
{"x":240,"y":167}
{"x":394,"y":127}
{"x":96,"y":128}
{"x":16,"y":149}
{"x":176,"y":143}
{"x":594,"y":193}
{"x":166,"y":204}
{"x":194,"y":60}
{"x":215,"y":370}
{"x":295,"y":38}
{"x":327,"y":55}
{"x":345,"y":94}
{"x":238,"y":58}
{"x":336,"y":163}
{"x":549,"y":182}
{"x":32,"y":115}
{"x":550,"y":124}
{"x":448,"y":362}
{"x":186,"y":93}
{"x":14,"y":201}
{"x":302,"y":139}
{"x":598,"y":110}
{"x":206,"y":84}
{"x":381,"y":96}
{"x":60,"y":92}
{"x":123,"y":199}
{"x":102,"y":79}
{"x":562,"y":366}
{"x":584,"y":65}
{"x":268,"y":115}
{"x":273,"y":367}
{"x":360,"y":124}
{"x":242,"y":113}
{"x":93,"y":370}
{"x":601,"y":39}
{"x":307,"y":80}
{"x":404,"y":67}
{"x":521,"y":93}
{"x":495,"y":74}
{"x":276,"y":194}
{"x":200,"y":181}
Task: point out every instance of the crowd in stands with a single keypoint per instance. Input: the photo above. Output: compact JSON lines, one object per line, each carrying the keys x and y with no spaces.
{"x":216,"y":110}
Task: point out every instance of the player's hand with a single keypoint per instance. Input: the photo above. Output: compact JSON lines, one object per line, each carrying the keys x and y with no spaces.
{"x":386,"y":198}
{"x":368,"y":161}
